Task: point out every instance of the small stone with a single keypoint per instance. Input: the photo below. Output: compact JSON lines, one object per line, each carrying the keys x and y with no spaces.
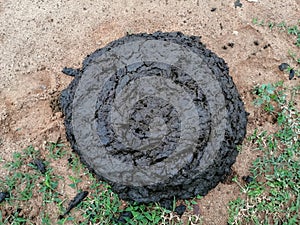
{"x":230,"y":44}
{"x":213,"y":9}
{"x":180,"y":210}
{"x":123,"y":216}
{"x":3,"y":196}
{"x":40,"y":165}
{"x":224,"y":47}
{"x":167,"y":204}
{"x":248,"y":179}
{"x":283,"y":66}
{"x":292,"y":74}
{"x":238,"y":3}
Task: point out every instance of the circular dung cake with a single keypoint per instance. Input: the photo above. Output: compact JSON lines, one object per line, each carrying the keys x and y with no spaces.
{"x":157,"y":116}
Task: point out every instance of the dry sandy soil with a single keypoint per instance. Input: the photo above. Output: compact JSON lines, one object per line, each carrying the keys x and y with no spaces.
{"x":40,"y":37}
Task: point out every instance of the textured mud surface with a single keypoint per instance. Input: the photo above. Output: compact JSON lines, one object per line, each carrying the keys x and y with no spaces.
{"x":156,"y":116}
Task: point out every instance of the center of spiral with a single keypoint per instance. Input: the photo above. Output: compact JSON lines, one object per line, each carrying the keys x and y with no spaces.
{"x":147,"y":110}
{"x":155,"y":126}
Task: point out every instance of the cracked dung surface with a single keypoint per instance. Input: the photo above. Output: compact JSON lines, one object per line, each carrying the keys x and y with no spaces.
{"x":156,"y":116}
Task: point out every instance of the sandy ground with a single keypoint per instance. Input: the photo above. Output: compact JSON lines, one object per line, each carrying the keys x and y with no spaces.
{"x":40,"y":37}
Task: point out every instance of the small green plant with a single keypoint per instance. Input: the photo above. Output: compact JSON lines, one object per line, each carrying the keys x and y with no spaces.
{"x":142,"y":215}
{"x":282,"y":25}
{"x":56,"y":150}
{"x":16,"y":163}
{"x":48,"y":188}
{"x":31,"y":152}
{"x":258,"y":22}
{"x":75,"y":181}
{"x":46,"y":219}
{"x":269,"y":96}
{"x":271,"y":25}
{"x":75,"y":164}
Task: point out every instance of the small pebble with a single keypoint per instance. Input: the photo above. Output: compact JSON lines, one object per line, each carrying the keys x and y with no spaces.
{"x":238,"y":3}
{"x":180,"y":210}
{"x":123,"y":216}
{"x":3,"y":196}
{"x":256,"y":42}
{"x":248,"y":179}
{"x":167,"y":204}
{"x":213,"y":9}
{"x":39,"y":165}
{"x":283,"y":66}
{"x":292,"y":74}
{"x":230,"y":44}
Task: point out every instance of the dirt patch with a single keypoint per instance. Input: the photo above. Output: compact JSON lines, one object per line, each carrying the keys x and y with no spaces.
{"x":39,"y":38}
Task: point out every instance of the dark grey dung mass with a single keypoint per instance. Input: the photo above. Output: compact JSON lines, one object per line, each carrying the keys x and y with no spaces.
{"x":156,"y":116}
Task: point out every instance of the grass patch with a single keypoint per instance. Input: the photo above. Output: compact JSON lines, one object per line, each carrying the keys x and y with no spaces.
{"x":273,"y":197}
{"x":31,"y":192}
{"x":40,"y":198}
